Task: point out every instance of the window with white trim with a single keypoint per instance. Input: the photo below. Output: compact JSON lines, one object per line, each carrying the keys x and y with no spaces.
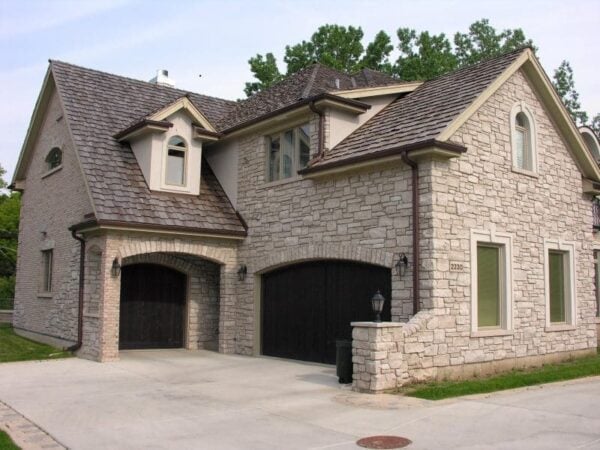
{"x":523,"y":139}
{"x":176,"y":162}
{"x":47,"y":256}
{"x":288,"y":152}
{"x":491,"y":262}
{"x":560,"y":283}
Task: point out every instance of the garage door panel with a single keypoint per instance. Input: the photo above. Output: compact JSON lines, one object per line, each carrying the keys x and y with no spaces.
{"x":152,"y":307}
{"x":307,"y":307}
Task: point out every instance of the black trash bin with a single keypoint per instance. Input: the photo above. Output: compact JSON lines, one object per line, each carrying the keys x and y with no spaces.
{"x":343,"y":360}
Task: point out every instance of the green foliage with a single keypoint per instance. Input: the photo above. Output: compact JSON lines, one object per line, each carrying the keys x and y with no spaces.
{"x":565,"y":86}
{"x":377,"y":54}
{"x":17,"y":348}
{"x":333,"y":45}
{"x":10,"y":205}
{"x":6,"y":442}
{"x":265,"y":70}
{"x":423,"y":56}
{"x":483,"y":42}
{"x":595,"y":124}
{"x":583,"y":367}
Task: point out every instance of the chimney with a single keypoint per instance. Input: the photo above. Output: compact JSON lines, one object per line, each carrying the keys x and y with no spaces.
{"x":162,"y":78}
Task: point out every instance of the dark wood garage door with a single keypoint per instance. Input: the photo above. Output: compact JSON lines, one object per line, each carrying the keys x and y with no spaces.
{"x":307,"y":307}
{"x":152,"y":307}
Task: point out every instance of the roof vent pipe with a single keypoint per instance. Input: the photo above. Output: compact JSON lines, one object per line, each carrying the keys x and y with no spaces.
{"x":162,"y":78}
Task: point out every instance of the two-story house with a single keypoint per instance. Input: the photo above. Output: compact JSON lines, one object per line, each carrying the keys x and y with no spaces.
{"x":154,"y":218}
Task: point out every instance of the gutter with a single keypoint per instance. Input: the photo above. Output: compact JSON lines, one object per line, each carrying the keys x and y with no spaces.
{"x":77,"y":346}
{"x":319,"y":112}
{"x":415,"y":231}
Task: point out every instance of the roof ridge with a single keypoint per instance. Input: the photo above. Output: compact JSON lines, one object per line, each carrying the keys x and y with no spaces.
{"x":136,"y":80}
{"x":483,"y":61}
{"x":311,"y":81}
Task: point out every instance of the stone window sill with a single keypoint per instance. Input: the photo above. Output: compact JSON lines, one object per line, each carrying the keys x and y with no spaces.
{"x":526,"y":172}
{"x":561,"y":327}
{"x":491,"y":333}
{"x":275,"y":183}
{"x":52,"y":171}
{"x":44,"y":295}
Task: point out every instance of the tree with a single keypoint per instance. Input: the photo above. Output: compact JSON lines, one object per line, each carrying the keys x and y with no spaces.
{"x":265,"y":70}
{"x":423,"y":56}
{"x":336,"y":46}
{"x":9,"y":226}
{"x":595,"y":124}
{"x":483,"y":42}
{"x":565,"y":86}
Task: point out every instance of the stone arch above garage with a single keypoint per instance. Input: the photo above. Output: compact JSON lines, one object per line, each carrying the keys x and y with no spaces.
{"x":302,"y":253}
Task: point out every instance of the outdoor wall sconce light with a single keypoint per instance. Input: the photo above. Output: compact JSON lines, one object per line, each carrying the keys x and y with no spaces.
{"x":377,"y":304}
{"x":115,"y":270}
{"x":242,"y":271}
{"x":401,"y":265}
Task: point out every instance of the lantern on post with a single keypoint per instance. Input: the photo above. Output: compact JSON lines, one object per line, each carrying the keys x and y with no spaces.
{"x":377,"y":305}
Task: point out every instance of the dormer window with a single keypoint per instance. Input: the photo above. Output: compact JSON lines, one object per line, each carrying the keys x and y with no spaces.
{"x":176,"y":162}
{"x":288,"y":152}
{"x":53,"y":159}
{"x":523,"y":140}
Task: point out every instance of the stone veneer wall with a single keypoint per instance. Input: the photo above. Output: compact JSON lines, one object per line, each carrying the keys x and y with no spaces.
{"x":51,"y":203}
{"x":348,"y":217}
{"x":480,"y":191}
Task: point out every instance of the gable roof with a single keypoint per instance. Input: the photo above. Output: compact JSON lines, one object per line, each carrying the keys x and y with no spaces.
{"x":430,"y":114}
{"x":310,"y":82}
{"x":98,"y":105}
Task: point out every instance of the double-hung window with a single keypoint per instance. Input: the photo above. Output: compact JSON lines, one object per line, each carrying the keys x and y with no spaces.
{"x":176,"y":162}
{"x":288,"y":152}
{"x":47,"y":256}
{"x":491,"y":306}
{"x":560,"y":279}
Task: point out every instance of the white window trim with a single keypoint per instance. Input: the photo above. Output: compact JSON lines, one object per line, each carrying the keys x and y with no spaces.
{"x":517,"y":108}
{"x":176,"y":187}
{"x":571,"y":308}
{"x":504,"y":240}
{"x":46,"y":278}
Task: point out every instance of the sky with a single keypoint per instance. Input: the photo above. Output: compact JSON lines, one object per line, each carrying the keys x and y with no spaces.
{"x":215,"y":39}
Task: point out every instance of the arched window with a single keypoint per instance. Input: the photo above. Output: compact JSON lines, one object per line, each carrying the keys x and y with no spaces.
{"x":523,"y":139}
{"x":591,"y":141}
{"x":176,"y":162}
{"x":54,"y":158}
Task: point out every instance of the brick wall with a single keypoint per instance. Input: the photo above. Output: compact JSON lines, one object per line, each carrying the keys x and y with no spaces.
{"x":50,"y":204}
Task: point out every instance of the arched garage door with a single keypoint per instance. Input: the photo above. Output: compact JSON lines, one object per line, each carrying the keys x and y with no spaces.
{"x":152,"y":307}
{"x":307,"y":307}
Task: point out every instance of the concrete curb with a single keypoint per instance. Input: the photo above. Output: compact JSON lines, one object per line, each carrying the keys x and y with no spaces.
{"x":24,"y":432}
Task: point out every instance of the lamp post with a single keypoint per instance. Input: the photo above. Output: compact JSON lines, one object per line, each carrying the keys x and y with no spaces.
{"x":377,"y":304}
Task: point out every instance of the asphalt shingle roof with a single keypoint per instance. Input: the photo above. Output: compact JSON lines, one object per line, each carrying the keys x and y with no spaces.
{"x":97,"y":106}
{"x":306,"y":83}
{"x":421,"y":115}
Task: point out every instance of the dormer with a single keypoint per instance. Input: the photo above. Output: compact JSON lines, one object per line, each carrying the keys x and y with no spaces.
{"x":168,"y":146}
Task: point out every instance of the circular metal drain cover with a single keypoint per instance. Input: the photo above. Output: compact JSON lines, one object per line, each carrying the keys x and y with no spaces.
{"x":383,"y":442}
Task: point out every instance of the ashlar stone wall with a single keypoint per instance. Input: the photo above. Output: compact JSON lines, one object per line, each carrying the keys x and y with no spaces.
{"x":480,"y":191}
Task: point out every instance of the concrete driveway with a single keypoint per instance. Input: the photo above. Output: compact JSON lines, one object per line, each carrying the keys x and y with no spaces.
{"x":202,"y":400}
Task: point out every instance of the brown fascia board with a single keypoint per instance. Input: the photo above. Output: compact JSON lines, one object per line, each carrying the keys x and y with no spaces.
{"x":200,"y":130}
{"x":299,"y":104}
{"x":143,"y":123}
{"x":152,"y":226}
{"x":384,"y":153}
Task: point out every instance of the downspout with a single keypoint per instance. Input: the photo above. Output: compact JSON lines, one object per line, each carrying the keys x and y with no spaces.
{"x":77,"y":346}
{"x":415,"y":229}
{"x":321,"y":144}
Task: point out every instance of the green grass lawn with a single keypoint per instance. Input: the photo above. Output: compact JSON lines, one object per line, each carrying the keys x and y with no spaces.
{"x":577,"y":368}
{"x":6,"y":442}
{"x":17,"y":348}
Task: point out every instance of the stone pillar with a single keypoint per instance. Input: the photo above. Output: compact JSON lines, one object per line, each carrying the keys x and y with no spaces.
{"x":377,"y":357}
{"x":227,"y":304}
